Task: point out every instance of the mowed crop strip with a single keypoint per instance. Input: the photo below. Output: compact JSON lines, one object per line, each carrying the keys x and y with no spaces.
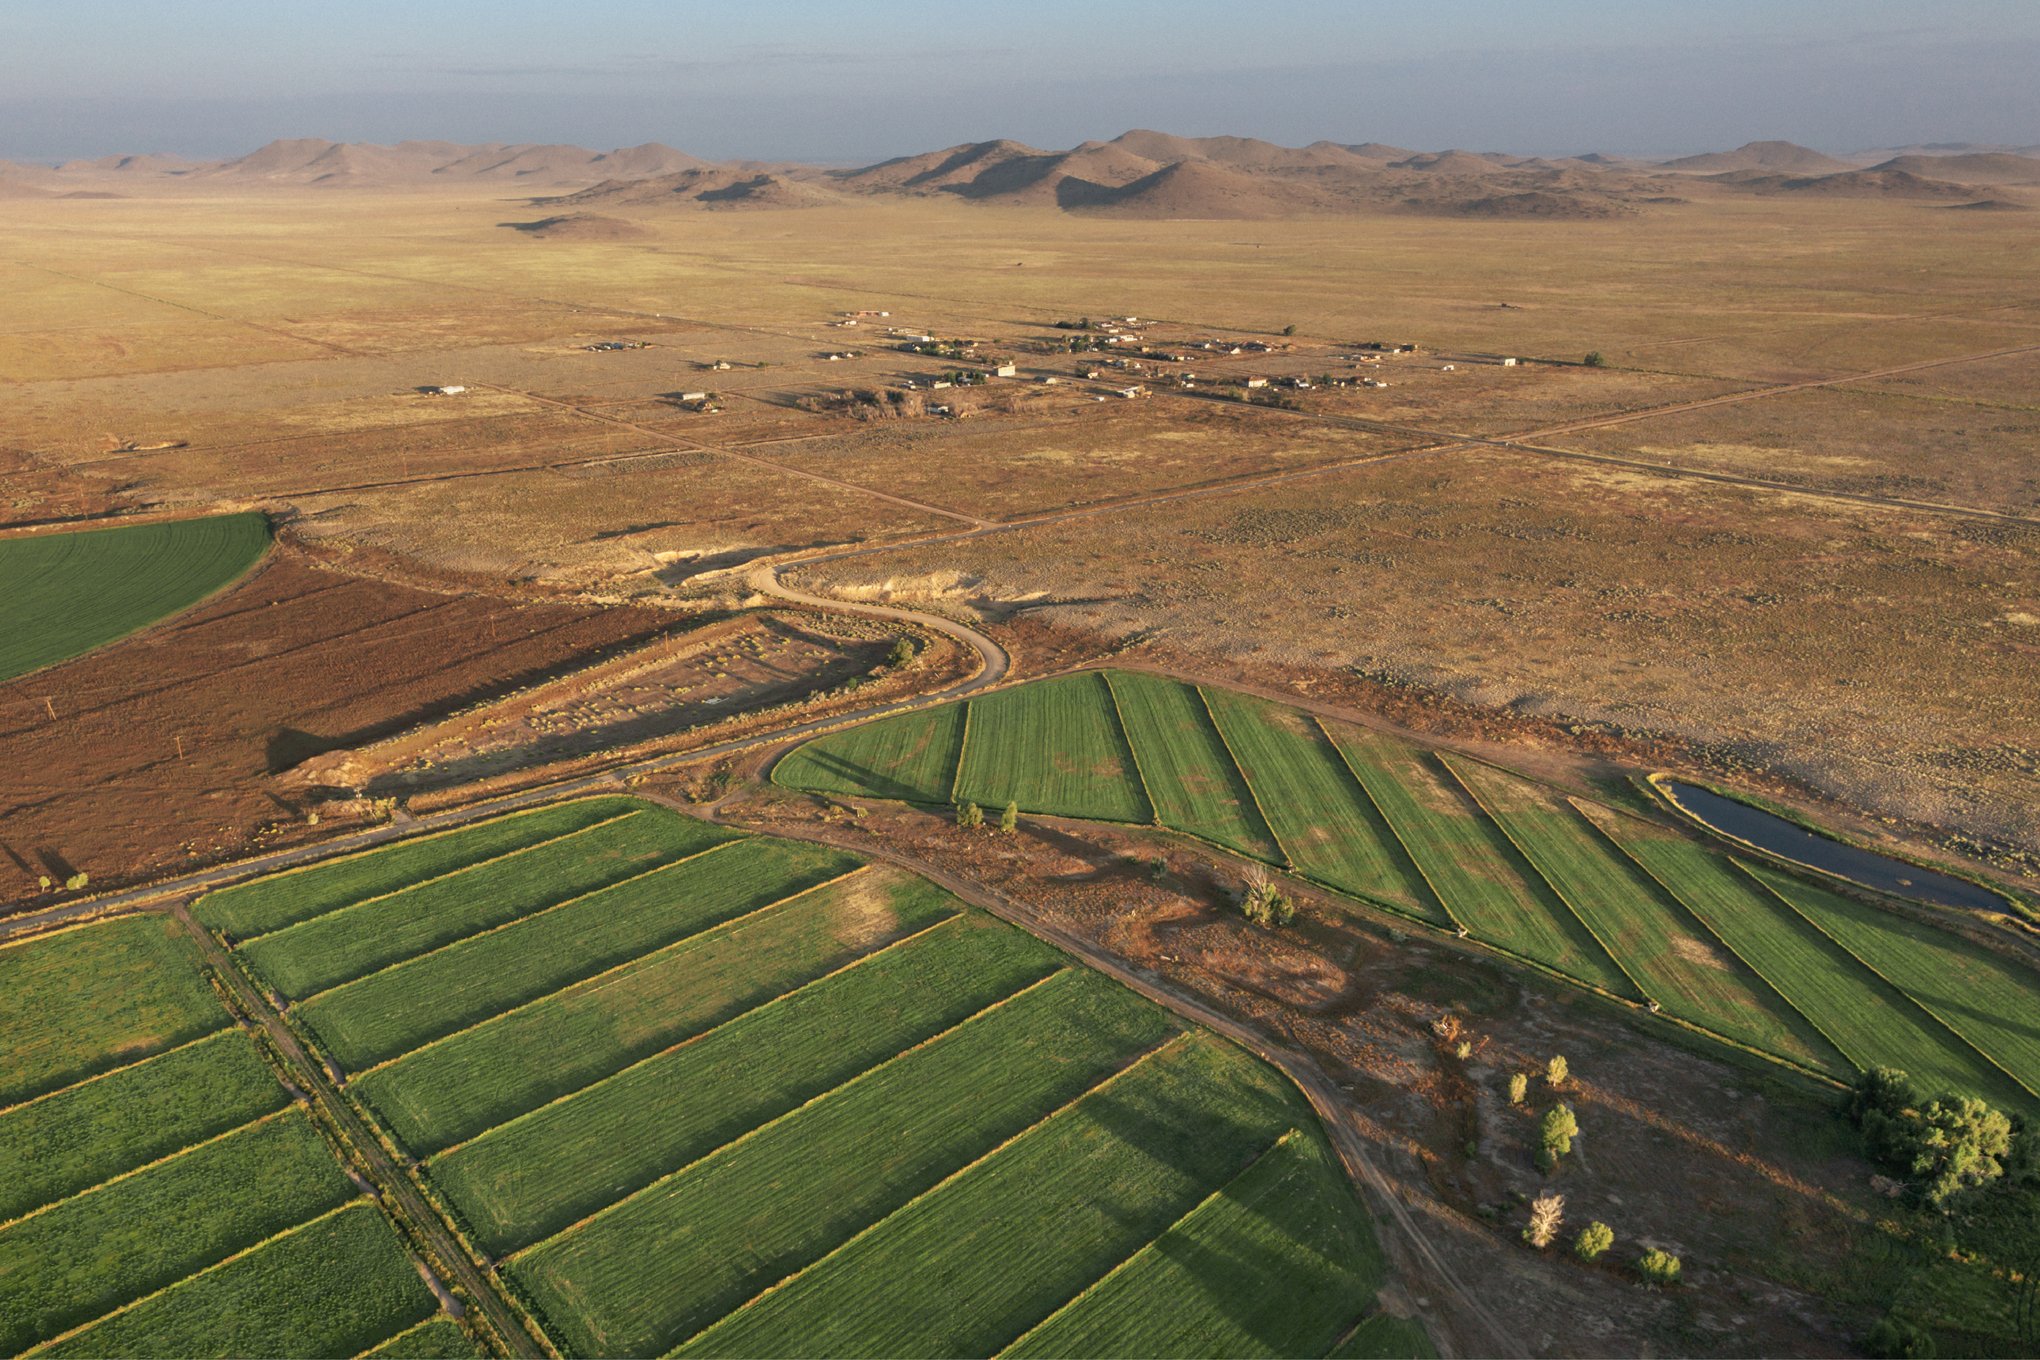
{"x":726,"y":1071}
{"x":68,"y":593}
{"x":353,"y":941}
{"x":1621,"y":904}
{"x":1053,"y":746}
{"x":169,"y":1199}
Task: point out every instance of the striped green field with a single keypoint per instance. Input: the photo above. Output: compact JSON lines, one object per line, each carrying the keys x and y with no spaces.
{"x":1383,"y":1336}
{"x":1618,"y":903}
{"x":1184,"y":766}
{"x":1320,"y":815}
{"x":1053,"y":746}
{"x":1868,"y":1020}
{"x":1984,"y":996}
{"x":655,"y":1103}
{"x":68,"y":593}
{"x":451,"y":1091}
{"x":336,"y":1286}
{"x":412,"y":1003}
{"x":155,"y":1169}
{"x":354,"y":941}
{"x":651,"y":1271}
{"x":73,"y":1139}
{"x":1268,"y":1265}
{"x":250,"y":909}
{"x":1016,"y":1236}
{"x":1479,"y":875}
{"x":84,"y":1256}
{"x":97,"y":997}
{"x":1672,"y":958}
{"x":911,"y":758}
{"x":531,"y":1177}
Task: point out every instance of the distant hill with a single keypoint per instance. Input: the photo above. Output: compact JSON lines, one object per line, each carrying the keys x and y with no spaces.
{"x":1986,"y":167}
{"x":718,"y":186}
{"x":1142,"y":173}
{"x":1781,"y":158}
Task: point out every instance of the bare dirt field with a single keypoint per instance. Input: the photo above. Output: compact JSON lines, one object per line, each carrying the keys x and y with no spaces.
{"x":156,"y":754}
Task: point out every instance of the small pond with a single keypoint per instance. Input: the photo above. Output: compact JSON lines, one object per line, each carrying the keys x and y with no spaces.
{"x":1792,"y":841}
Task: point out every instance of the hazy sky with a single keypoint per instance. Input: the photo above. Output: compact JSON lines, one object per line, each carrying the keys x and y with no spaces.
{"x":852,"y":80}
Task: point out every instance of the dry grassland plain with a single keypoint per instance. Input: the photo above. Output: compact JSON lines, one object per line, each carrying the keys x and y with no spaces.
{"x":1877,"y":654}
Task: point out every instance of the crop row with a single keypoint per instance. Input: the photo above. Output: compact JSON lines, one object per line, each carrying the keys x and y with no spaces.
{"x":311,"y":956}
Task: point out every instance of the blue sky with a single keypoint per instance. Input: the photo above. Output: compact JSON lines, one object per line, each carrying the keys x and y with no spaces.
{"x":850,"y":81}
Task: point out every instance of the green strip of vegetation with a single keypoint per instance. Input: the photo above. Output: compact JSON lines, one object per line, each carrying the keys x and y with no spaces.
{"x":69,"y":593}
{"x":911,"y":757}
{"x":1188,"y":773}
{"x":1482,"y":879}
{"x":333,"y":1287}
{"x":670,"y":1261}
{"x":1982,"y":995}
{"x":1272,"y":1265}
{"x":76,"y":1138}
{"x":278,"y":900}
{"x":532,"y":1178}
{"x":1017,"y":1235}
{"x":1318,"y":811}
{"x":85,"y":1256}
{"x":1055,"y":747}
{"x":412,"y":1003}
{"x":452,"y":1091}
{"x":97,"y":997}
{"x":342,"y":945}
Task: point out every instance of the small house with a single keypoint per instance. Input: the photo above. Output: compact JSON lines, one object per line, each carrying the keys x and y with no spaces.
{"x":1508,"y":363}
{"x":1005,"y":371}
{"x":449,"y":390}
{"x":1257,"y":382}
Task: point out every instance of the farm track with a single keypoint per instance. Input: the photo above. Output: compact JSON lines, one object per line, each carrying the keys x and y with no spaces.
{"x":399,"y":1193}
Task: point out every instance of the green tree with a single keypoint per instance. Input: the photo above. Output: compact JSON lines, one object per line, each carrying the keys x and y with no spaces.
{"x":1658,"y":1266}
{"x":1943,"y":1147}
{"x":1555,"y":1134}
{"x":1290,"y":329}
{"x":76,"y":882}
{"x":902,"y":654}
{"x":1893,"y":1338}
{"x":1595,"y":359}
{"x":969,"y":815}
{"x":1009,"y":820}
{"x":1594,"y":1239}
{"x":1519,"y":1087}
{"x":1556,"y":1072}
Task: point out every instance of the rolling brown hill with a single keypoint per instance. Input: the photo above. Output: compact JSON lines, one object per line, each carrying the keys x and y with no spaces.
{"x":1777,"y":158}
{"x":1142,"y":173}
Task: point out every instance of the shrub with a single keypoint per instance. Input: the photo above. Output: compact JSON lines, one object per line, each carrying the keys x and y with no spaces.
{"x":1263,"y":903}
{"x":969,"y":815}
{"x":1289,"y":329}
{"x":1463,"y":1050}
{"x":1896,"y":1339}
{"x":902,"y":654}
{"x":1547,"y":1212}
{"x":1595,"y":359}
{"x":1594,"y":1239}
{"x":1658,"y":1266}
{"x":76,"y":882}
{"x":1009,"y":820}
{"x":1519,"y":1087}
{"x":1557,"y":1072}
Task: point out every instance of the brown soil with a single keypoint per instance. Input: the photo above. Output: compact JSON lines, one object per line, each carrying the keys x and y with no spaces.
{"x":1743,"y":1174}
{"x":293,"y":661}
